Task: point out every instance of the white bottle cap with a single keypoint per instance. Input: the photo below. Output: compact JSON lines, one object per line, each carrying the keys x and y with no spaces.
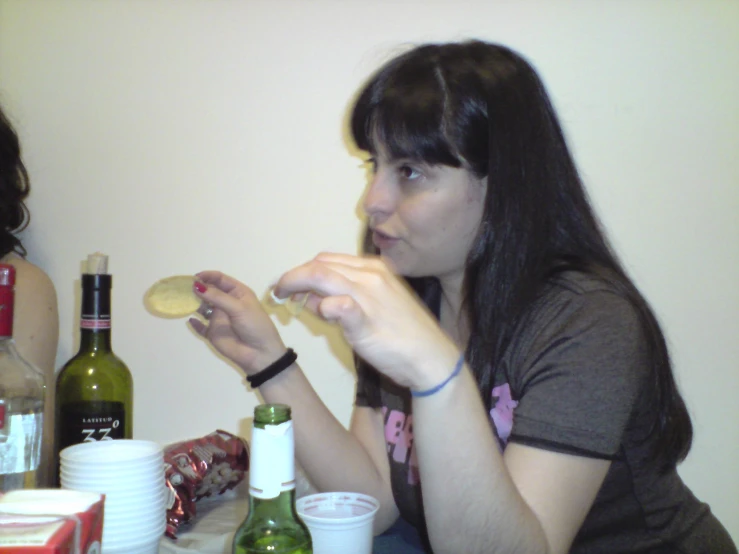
{"x":272,"y":464}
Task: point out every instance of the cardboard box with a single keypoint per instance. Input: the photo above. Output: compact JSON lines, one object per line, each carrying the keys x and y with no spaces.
{"x":51,"y":521}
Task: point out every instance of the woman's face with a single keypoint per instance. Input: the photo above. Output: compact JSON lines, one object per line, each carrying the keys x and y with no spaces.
{"x":423,"y":218}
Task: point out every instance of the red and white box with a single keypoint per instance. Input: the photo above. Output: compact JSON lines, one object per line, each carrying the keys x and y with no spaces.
{"x":51,"y":521}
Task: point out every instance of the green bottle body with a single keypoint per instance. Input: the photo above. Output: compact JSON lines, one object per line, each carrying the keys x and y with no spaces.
{"x":272,"y":525}
{"x":94,"y":389}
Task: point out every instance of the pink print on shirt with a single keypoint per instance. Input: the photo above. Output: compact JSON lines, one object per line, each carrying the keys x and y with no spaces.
{"x":399,"y":430}
{"x":399,"y":441}
{"x":502,"y":412}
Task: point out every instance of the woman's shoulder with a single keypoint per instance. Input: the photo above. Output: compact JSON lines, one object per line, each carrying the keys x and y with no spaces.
{"x":581,"y":316}
{"x":29,"y":276}
{"x":583,"y":282}
{"x":36,"y":309}
{"x":593,"y":288}
{"x":584,"y":299}
{"x":36,"y":316}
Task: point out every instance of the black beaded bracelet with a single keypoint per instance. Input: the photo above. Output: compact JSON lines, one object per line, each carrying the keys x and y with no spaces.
{"x":261,"y":377}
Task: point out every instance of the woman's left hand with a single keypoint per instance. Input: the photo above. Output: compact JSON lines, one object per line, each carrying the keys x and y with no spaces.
{"x":381,"y":317}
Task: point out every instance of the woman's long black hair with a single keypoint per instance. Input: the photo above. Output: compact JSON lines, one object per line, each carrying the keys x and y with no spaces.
{"x":482,"y":106}
{"x":14,"y":188}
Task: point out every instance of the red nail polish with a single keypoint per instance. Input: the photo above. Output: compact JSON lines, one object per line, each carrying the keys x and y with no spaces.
{"x":200,"y":287}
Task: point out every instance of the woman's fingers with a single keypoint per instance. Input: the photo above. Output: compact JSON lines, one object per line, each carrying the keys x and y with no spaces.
{"x":319,"y":278}
{"x":198,"y":326}
{"x":221,"y":281}
{"x":343,"y":310}
{"x":205,"y":310}
{"x":226,"y":294}
{"x":326,"y":278}
{"x":368,"y":262}
{"x":344,"y":289}
{"x":349,"y":281}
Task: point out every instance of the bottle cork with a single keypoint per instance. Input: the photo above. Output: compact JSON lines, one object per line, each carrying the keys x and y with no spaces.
{"x":97,"y":264}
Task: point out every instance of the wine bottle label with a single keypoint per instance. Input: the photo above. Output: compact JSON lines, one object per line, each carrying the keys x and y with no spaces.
{"x":6,"y":311}
{"x":21,"y":450}
{"x":94,"y":324}
{"x":90,"y":422}
{"x":272,"y":463}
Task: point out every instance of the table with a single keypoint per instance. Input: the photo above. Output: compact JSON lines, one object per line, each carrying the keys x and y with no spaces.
{"x":218,"y":517}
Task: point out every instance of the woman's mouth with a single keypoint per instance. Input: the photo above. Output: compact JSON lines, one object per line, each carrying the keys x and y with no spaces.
{"x":382,"y":240}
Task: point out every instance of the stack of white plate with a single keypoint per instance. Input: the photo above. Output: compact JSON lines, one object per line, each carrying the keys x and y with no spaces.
{"x":130,"y":473}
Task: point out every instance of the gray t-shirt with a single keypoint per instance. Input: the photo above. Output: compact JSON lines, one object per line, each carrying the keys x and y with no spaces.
{"x":575,"y":380}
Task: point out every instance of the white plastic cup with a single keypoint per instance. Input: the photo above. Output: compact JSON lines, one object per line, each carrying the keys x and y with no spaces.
{"x":114,"y":515}
{"x":122,"y":490}
{"x":339,"y":522}
{"x":150,"y":547}
{"x":114,"y":452}
{"x":111,"y":485}
{"x":115,"y":538}
{"x":125,"y":470}
{"x":142,"y":533}
{"x":131,"y":475}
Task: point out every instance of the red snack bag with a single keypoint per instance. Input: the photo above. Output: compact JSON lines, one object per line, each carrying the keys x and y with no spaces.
{"x":201,"y":467}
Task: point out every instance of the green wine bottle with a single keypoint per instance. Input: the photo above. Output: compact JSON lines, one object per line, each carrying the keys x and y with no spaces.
{"x":273,"y":524}
{"x":94,"y":389}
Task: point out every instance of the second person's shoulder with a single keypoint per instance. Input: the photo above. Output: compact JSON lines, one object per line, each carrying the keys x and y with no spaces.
{"x":29,"y":276}
{"x":576,"y":302}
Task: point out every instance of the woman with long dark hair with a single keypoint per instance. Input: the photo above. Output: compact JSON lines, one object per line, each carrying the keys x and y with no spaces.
{"x":515,"y":392}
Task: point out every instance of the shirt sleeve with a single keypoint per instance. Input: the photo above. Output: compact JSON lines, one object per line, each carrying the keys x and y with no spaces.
{"x":579,"y":372}
{"x":368,"y":385}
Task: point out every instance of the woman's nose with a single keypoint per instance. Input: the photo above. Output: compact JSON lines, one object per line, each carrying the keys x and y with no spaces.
{"x":379,"y":198}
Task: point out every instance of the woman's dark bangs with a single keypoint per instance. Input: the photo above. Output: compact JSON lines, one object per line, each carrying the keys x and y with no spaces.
{"x":404,"y":124}
{"x":411,"y":133}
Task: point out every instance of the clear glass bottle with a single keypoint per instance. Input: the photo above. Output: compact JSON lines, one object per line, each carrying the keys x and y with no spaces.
{"x":94,"y":389}
{"x":273,"y":524}
{"x":22,"y":391}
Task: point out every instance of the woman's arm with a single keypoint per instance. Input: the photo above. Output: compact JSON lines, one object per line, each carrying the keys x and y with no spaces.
{"x":479,"y":501}
{"x":36,"y":334}
{"x":476,"y":499}
{"x":579,"y":369}
{"x":333,"y":457}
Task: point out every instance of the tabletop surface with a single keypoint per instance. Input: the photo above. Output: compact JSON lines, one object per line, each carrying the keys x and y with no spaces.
{"x":218,"y":517}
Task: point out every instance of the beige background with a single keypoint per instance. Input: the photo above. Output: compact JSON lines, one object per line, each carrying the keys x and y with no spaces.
{"x":179,"y":135}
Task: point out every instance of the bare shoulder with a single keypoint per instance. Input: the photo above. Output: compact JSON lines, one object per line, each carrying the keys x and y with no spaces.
{"x":36,"y":318}
{"x":34,"y":291}
{"x":30,"y":277}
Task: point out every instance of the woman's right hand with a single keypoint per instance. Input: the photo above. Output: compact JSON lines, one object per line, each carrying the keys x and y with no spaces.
{"x":238,"y":327}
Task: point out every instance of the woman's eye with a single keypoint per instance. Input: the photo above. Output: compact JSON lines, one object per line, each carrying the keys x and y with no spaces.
{"x":409,"y":173}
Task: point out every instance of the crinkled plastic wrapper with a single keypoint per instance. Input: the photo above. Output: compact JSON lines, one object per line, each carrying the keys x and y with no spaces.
{"x":201,"y":467}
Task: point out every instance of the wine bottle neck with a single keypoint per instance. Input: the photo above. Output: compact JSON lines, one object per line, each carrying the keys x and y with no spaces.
{"x":281,"y":505}
{"x":272,"y":462}
{"x":95,"y":314}
{"x":95,"y":341}
{"x":271,"y":414}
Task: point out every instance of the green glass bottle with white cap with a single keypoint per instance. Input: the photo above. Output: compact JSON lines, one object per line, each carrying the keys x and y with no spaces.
{"x":273,"y":524}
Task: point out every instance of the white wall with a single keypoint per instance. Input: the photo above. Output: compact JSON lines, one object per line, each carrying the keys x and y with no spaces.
{"x":179,"y":135}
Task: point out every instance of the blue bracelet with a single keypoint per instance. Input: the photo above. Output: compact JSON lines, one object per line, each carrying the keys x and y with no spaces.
{"x":437,"y":388}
